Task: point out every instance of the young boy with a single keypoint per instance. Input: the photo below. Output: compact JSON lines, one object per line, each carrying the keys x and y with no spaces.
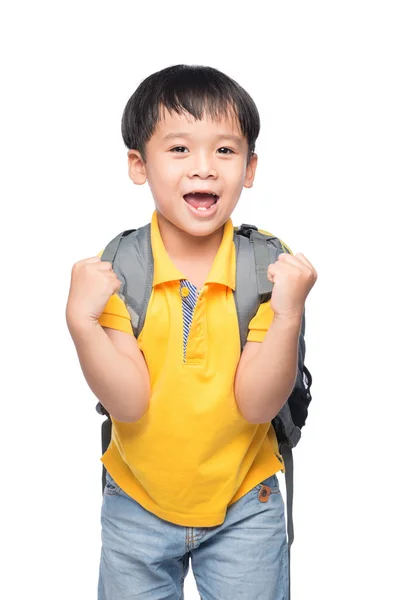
{"x":191,"y":468}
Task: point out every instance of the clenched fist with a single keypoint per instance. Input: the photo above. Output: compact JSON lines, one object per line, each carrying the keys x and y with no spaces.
{"x":293,"y":277}
{"x":92,"y":284}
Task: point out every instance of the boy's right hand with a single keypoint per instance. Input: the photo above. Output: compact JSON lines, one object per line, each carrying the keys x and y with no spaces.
{"x":92,"y":284}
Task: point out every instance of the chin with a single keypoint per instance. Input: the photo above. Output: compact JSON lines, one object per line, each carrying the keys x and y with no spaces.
{"x":203,"y":228}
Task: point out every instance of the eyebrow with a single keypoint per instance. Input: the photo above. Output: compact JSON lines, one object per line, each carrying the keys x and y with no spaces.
{"x":222,"y":136}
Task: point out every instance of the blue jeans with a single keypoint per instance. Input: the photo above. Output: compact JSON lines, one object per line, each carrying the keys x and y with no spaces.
{"x":245,"y":558}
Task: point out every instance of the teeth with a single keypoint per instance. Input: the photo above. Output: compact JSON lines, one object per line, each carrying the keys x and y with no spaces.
{"x":202,"y":208}
{"x":211,"y":194}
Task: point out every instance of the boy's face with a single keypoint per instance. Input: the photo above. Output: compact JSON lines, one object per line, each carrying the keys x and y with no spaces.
{"x":186,"y":157}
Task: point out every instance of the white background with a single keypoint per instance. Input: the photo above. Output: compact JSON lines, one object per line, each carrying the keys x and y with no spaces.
{"x":325,"y":77}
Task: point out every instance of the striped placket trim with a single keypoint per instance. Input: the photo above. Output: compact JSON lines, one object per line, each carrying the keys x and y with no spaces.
{"x":189,"y":294}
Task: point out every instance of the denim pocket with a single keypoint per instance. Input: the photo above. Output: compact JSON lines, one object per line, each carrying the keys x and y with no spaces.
{"x":272,"y":482}
{"x":111,"y":488}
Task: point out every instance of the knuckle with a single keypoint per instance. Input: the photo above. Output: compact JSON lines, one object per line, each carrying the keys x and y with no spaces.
{"x":78,"y":266}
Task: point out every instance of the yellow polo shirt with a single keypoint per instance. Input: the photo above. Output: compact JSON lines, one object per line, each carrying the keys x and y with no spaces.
{"x":192,"y":454}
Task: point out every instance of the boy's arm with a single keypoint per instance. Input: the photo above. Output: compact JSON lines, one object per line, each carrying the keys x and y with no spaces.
{"x":267,"y":370}
{"x":114,"y":369}
{"x":112,"y":362}
{"x":110,"y":358}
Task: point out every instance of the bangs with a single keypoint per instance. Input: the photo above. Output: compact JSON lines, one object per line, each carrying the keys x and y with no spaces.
{"x":197,"y":102}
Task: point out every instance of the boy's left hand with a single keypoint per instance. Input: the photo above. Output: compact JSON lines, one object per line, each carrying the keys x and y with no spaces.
{"x":293,"y":277}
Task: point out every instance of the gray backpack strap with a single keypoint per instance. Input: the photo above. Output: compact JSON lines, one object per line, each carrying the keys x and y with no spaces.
{"x":254,"y":253}
{"x":263,"y":256}
{"x":132,"y":259}
{"x":286,"y":452}
{"x":111,"y":249}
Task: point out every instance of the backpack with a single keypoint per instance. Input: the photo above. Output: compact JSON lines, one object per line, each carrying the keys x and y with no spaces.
{"x":131,"y":256}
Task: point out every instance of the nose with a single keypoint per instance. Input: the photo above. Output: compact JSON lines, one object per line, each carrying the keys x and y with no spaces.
{"x":203,"y":167}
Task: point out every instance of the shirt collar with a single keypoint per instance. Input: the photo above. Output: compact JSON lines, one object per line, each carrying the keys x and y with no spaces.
{"x":223,"y":269}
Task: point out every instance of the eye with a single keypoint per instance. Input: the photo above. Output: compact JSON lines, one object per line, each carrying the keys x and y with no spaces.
{"x":179,"y":149}
{"x":225,"y":150}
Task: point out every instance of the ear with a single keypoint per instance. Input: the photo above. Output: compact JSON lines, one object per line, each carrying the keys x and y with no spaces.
{"x":136,"y":167}
{"x":251,"y":171}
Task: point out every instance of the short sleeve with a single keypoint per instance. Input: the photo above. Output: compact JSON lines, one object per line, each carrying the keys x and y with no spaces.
{"x":115,"y":314}
{"x":260,"y":324}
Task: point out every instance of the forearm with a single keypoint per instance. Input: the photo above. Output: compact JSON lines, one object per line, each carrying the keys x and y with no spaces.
{"x":265,"y":382}
{"x":121,"y":384}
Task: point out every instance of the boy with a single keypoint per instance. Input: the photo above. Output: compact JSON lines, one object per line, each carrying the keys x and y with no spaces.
{"x":191,"y":468}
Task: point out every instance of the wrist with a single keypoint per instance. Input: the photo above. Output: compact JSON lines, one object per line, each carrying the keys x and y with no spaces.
{"x":290,"y":321}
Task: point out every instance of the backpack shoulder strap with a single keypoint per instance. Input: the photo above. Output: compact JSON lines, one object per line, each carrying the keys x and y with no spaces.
{"x":131,"y":256}
{"x":254,"y":253}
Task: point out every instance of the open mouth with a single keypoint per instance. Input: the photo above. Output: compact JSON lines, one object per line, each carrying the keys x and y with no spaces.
{"x":201,"y":201}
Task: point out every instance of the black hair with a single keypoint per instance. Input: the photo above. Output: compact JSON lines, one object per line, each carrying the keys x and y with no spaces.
{"x":187,"y":88}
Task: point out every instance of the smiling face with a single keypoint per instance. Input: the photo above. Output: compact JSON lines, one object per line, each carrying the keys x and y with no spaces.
{"x":196,"y":170}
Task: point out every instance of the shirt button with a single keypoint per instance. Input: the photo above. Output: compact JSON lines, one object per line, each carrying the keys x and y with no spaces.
{"x":185,"y":292}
